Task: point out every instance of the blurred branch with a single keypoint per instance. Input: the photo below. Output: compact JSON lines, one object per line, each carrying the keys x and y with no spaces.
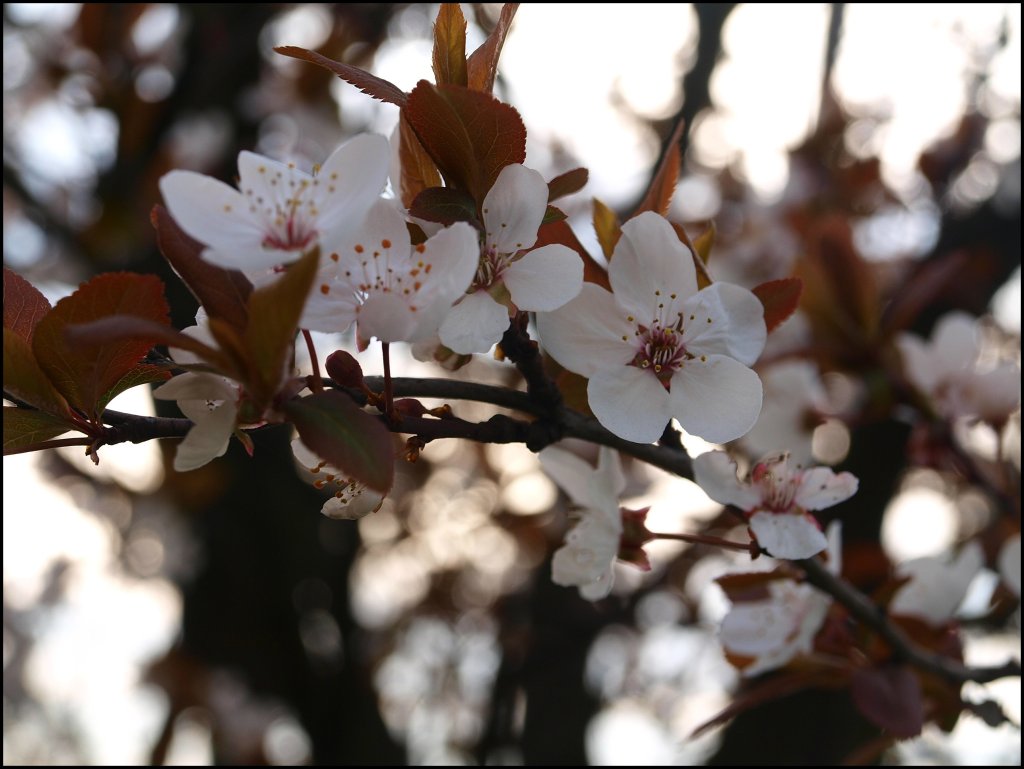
{"x":861,"y":607}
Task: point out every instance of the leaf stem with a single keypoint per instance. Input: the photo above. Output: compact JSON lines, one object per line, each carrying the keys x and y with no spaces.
{"x":316,"y":382}
{"x":704,"y":539}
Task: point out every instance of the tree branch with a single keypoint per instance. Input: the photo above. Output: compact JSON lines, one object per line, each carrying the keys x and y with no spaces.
{"x":861,"y":607}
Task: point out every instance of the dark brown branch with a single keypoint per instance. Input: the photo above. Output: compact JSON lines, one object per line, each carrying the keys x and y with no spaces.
{"x":861,"y":607}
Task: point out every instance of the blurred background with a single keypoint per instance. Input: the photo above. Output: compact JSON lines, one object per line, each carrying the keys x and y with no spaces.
{"x":217,"y":617}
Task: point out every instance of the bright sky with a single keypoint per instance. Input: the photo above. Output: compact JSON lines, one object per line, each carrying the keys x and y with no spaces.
{"x":93,"y":644}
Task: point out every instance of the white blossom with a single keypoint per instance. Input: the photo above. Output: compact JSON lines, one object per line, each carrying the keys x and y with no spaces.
{"x":350,"y":499}
{"x":776,"y":499}
{"x":656,"y":347}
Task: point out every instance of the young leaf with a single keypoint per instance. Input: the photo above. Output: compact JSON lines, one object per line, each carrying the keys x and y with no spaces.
{"x":25,"y":380}
{"x":223,"y":293}
{"x":470,"y":135}
{"x":445,"y":205}
{"x":344,"y":435}
{"x":25,"y":427}
{"x":567,"y":183}
{"x":780,"y":299}
{"x":663,"y":184}
{"x":703,"y":277}
{"x":274,"y":312}
{"x":24,"y":305}
{"x":552,"y":214}
{"x":449,"y":59}
{"x":374,"y":86}
{"x":418,"y":170}
{"x":607,"y":227}
{"x":705,"y":242}
{"x":483,"y":62}
{"x":84,"y":374}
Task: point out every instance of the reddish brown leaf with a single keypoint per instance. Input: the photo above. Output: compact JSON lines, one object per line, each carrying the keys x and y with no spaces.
{"x":223,"y":293}
{"x":483,"y":62}
{"x":567,"y":183}
{"x":144,"y":373}
{"x":552,"y":214}
{"x":445,"y":205}
{"x":24,"y":305}
{"x":607,"y":227}
{"x":274,"y":312}
{"x":341,"y":433}
{"x":25,"y":380}
{"x":25,"y":427}
{"x":561,"y":232}
{"x":82,"y":374}
{"x":772,"y":689}
{"x":470,"y":135}
{"x":119,"y":328}
{"x":449,"y":59}
{"x":374,"y":86}
{"x":663,"y":184}
{"x":780,"y":299}
{"x":418,"y":170}
{"x":889,"y":697}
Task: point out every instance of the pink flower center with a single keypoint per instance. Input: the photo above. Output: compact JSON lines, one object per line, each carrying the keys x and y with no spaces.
{"x":778,"y":485}
{"x":661,"y":350}
{"x":490,"y":269}
{"x":290,"y":233}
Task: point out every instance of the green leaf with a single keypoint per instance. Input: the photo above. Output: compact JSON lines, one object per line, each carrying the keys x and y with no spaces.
{"x":470,"y":135}
{"x":25,"y":427}
{"x":223,"y":293}
{"x":26,"y":381}
{"x":341,"y":433}
{"x":607,"y":227}
{"x":274,"y":311}
{"x":449,"y":59}
{"x":445,"y":205}
{"x":374,"y":86}
{"x":483,"y":62}
{"x":144,"y":373}
{"x":780,"y":299}
{"x":83,"y":374}
{"x":418,"y":169}
{"x":567,"y":183}
{"x":24,"y":305}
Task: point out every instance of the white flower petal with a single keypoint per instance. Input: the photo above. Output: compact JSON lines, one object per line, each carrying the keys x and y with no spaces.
{"x":208,"y":438}
{"x":715,"y":473}
{"x":787,"y":535}
{"x":599,"y":588}
{"x":196,"y":387}
{"x":361,"y":166}
{"x":955,"y":341}
{"x":454,"y":253}
{"x":570,"y":472}
{"x":514,"y":208}
{"x":353,"y":505}
{"x":545,"y":279}
{"x":821,"y":488}
{"x":936,"y":587}
{"x":610,"y":479}
{"x":736,"y":326}
{"x":717,"y":399}
{"x":586,"y":334}
{"x":630,"y":402}
{"x":214,"y":214}
{"x":756,"y":628}
{"x":650,"y":258}
{"x":586,"y":560}
{"x":388,"y":318}
{"x":475,"y":324}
